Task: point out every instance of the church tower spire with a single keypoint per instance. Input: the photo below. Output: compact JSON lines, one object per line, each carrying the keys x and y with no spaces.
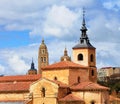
{"x":65,"y":57}
{"x":32,"y":70}
{"x":83,"y":28}
{"x":43,"y":58}
{"x":84,"y":53}
{"x":84,"y":40}
{"x":32,"y":65}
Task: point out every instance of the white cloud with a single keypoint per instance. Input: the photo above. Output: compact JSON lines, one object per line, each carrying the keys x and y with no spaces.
{"x":103,"y":28}
{"x":107,"y":54}
{"x":59,"y":20}
{"x":78,"y":3}
{"x":17,"y":64}
{"x":61,"y":16}
{"x":30,"y":14}
{"x":18,"y":60}
{"x":2,"y":69}
{"x":112,"y":5}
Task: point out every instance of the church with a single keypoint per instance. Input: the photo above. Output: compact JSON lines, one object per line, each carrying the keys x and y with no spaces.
{"x":64,"y":82}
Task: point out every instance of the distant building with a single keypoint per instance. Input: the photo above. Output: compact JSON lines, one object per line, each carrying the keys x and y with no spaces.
{"x":43,"y":56}
{"x":106,"y":73}
{"x":32,"y":70}
{"x":65,"y":57}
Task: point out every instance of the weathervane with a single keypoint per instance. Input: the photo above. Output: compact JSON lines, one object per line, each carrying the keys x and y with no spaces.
{"x":83,"y":12}
{"x":83,"y":16}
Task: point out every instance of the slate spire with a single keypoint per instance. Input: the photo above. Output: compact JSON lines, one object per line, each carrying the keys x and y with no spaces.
{"x":84,"y":37}
{"x":84,"y":40}
{"x":32,"y":65}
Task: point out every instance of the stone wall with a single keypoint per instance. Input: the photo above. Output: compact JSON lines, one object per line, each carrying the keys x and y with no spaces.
{"x":75,"y":73}
{"x":99,"y":97}
{"x":61,"y":75}
{"x":51,"y":92}
{"x":86,"y":56}
{"x":12,"y":96}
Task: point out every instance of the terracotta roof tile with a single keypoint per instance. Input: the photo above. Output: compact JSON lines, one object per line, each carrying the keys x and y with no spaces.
{"x":88,"y":86}
{"x":70,"y":97}
{"x":63,"y":65}
{"x":17,"y":83}
{"x":14,"y":87}
{"x":19,"y":78}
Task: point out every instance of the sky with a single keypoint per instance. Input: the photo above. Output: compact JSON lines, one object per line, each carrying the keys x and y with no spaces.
{"x":24,"y":23}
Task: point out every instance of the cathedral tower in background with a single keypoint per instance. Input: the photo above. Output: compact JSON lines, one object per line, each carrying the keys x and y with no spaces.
{"x":43,"y":57}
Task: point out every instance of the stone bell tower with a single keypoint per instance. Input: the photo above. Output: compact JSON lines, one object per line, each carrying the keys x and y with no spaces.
{"x":43,"y":57}
{"x":84,"y":53}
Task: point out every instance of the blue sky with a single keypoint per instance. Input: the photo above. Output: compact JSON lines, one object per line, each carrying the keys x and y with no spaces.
{"x":24,"y":23}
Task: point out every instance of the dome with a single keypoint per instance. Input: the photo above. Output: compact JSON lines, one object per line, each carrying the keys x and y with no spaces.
{"x":65,"y":57}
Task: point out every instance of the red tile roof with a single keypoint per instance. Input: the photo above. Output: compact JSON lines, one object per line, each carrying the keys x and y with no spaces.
{"x":14,"y":87}
{"x":70,"y":97}
{"x":64,"y":65}
{"x":19,"y":78}
{"x":88,"y":86}
{"x":18,"y":83}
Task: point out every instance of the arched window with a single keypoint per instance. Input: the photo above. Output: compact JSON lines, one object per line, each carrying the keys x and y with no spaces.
{"x":92,"y":72}
{"x":80,"y":57}
{"x":78,"y":79}
{"x":43,"y":51}
{"x":55,"y":78}
{"x":91,"y":58}
{"x":43,"y":92}
{"x":44,"y":59}
{"x":41,"y":59}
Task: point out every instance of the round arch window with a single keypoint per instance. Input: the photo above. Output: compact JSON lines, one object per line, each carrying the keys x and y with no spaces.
{"x":55,"y":78}
{"x":80,"y":57}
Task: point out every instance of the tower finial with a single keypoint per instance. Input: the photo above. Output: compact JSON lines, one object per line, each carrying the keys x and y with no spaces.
{"x":32,"y":64}
{"x":65,"y":52}
{"x":83,"y":22}
{"x":42,"y":41}
{"x":83,"y":28}
{"x":32,"y":59}
{"x":83,"y":17}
